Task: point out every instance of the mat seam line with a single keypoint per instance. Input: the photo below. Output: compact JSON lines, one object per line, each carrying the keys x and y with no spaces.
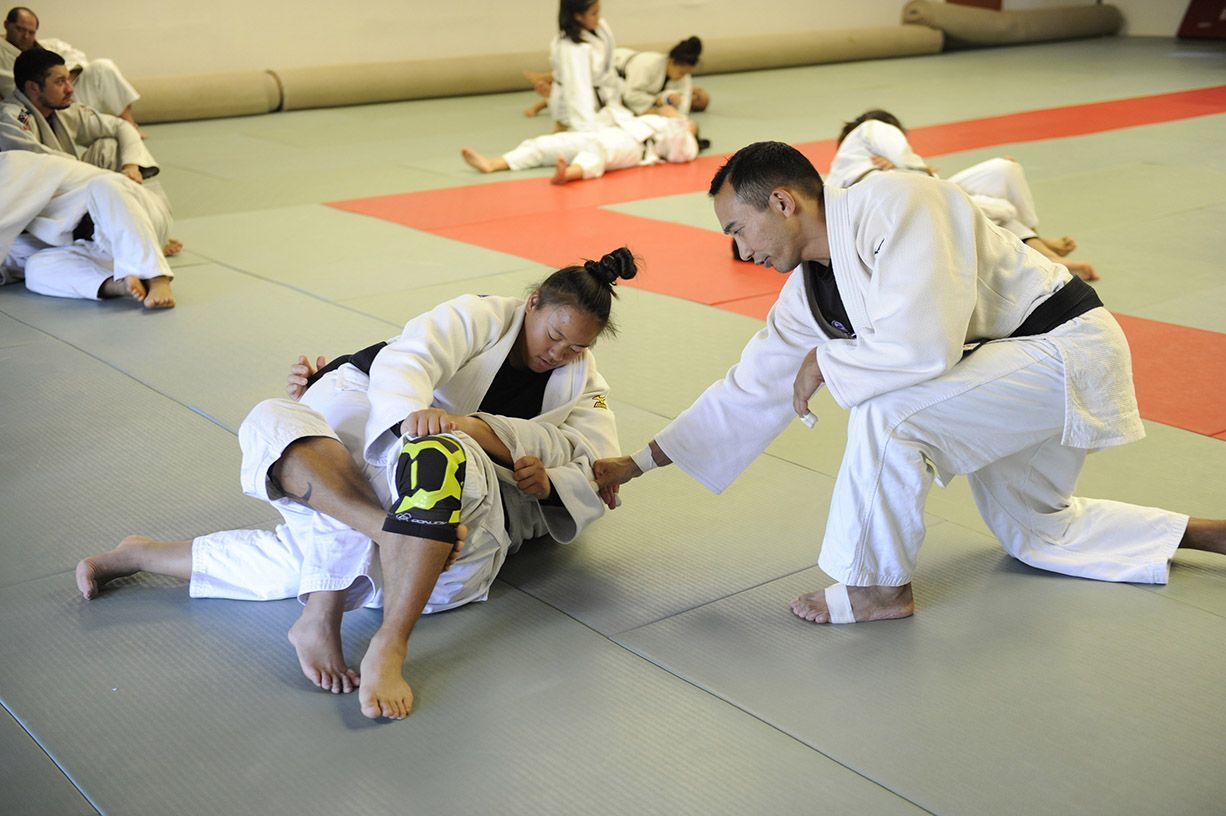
{"x":88,"y":800}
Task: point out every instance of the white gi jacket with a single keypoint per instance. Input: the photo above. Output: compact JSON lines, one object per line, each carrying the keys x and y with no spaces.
{"x":922,"y":272}
{"x":447,"y":358}
{"x":584,"y":77}
{"x":645,"y":79}
{"x":22,"y":127}
{"x":8,"y":55}
{"x":854,"y":158}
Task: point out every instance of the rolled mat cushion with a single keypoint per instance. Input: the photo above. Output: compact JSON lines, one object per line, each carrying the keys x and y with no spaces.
{"x":966,"y":26}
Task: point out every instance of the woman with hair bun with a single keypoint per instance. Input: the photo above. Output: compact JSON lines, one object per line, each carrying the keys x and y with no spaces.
{"x":661,"y":83}
{"x":406,"y":473}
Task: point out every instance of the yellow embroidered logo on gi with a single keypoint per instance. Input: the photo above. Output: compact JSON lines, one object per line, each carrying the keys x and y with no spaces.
{"x":598,"y":402}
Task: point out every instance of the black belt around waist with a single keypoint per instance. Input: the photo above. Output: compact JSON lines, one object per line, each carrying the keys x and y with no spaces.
{"x":1072,"y":300}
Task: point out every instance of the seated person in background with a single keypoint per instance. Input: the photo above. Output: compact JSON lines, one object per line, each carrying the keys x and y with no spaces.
{"x":408,"y":473}
{"x":876,"y":141}
{"x":99,"y":83}
{"x":43,"y":116}
{"x":626,"y":141}
{"x":43,"y":199}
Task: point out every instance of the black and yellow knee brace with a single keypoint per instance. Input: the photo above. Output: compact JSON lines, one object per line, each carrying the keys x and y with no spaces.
{"x":429,"y":481}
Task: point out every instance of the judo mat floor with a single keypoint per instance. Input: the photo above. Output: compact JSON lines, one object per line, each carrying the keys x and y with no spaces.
{"x":652,"y":666}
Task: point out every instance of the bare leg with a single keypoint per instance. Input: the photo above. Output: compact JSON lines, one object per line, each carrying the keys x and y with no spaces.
{"x":485,"y":165}
{"x":411,"y":566}
{"x":316,"y":637}
{"x":160,"y":296}
{"x":319,"y":473}
{"x":564,"y":173}
{"x":134,"y":554}
{"x":868,"y":603}
{"x":1208,"y":535}
{"x":131,"y":286}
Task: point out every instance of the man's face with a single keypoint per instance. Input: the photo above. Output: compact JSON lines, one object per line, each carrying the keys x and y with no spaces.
{"x":56,"y":92}
{"x":769,"y":237}
{"x":21,"y":34}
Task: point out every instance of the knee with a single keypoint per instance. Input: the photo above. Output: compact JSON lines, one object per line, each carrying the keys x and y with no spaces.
{"x":427,"y":480}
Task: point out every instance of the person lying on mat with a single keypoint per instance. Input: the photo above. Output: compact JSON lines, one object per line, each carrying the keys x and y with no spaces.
{"x":408,"y":472}
{"x":956,"y":349}
{"x":876,"y":141}
{"x":74,"y":230}
{"x":624,"y":141}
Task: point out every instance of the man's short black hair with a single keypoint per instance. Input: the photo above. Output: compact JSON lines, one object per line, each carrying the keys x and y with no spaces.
{"x":33,"y":66}
{"x":754,"y":171}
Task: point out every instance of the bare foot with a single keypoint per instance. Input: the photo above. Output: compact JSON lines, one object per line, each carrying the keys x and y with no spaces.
{"x":384,"y":692}
{"x":95,"y":572}
{"x":868,"y":604}
{"x":1061,"y":246}
{"x":317,"y":640}
{"x":1082,"y":270}
{"x":476,"y":160}
{"x":172,"y":248}
{"x":160,"y":296}
{"x":131,"y":286}
{"x":560,"y":176}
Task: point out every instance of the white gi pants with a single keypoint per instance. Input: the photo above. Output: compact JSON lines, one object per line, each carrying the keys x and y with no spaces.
{"x":594,"y":151}
{"x":313,"y":552}
{"x":1000,"y":189}
{"x":997,"y":417}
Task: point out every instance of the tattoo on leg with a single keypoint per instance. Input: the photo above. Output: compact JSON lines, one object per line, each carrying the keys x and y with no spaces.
{"x":305,"y":498}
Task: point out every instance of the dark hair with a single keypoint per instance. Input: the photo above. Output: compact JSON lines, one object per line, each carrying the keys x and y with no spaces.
{"x":754,"y":171}
{"x":15,"y":10}
{"x":567,"y":23}
{"x":590,"y":287}
{"x":874,"y":115}
{"x":687,"y":51}
{"x":33,"y":66}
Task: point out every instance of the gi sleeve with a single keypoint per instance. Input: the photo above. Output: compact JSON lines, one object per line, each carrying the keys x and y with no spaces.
{"x":430,"y":350}
{"x":734,"y":420}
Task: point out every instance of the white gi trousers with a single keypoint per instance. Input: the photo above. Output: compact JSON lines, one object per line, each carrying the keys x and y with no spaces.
{"x":1000,"y":189}
{"x":313,"y":552}
{"x":594,"y":151}
{"x":46,"y":196}
{"x":997,"y":417}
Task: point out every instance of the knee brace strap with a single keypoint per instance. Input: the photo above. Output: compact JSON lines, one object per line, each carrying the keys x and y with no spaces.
{"x":429,"y":482}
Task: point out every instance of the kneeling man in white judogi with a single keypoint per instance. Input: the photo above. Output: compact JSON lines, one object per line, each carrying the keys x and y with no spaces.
{"x":407,"y":473}
{"x":956,"y":348}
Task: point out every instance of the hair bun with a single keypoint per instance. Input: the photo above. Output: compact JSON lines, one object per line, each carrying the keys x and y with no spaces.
{"x":617,"y":264}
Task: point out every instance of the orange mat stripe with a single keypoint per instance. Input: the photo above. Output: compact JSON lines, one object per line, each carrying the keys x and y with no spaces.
{"x":1176,"y":368}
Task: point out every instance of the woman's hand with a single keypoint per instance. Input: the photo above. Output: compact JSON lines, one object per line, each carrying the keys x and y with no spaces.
{"x":531,"y":478}
{"x":427,"y":422}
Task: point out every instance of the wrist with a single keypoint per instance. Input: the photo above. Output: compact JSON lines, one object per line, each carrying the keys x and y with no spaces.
{"x":644,"y":460}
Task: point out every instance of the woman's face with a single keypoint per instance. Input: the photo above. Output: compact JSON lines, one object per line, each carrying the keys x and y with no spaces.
{"x":554,"y":335}
{"x":590,"y":18}
{"x":675,"y":70}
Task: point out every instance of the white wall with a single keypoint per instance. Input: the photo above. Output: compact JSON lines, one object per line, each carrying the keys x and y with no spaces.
{"x":150,"y":37}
